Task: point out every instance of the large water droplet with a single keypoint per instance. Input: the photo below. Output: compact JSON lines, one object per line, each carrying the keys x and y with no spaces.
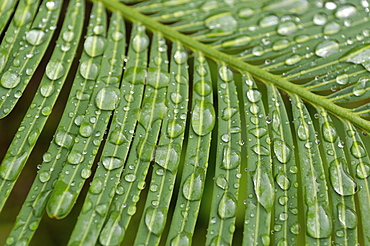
{"x":347,"y":216}
{"x":287,"y":28}
{"x":227,"y":206}
{"x":11,"y":166}
{"x":283,"y":181}
{"x":340,"y":179}
{"x":327,"y":48}
{"x":111,"y":162}
{"x":225,"y":74}
{"x":64,"y":139}
{"x":155,"y":219}
{"x":112,"y":232}
{"x":303,"y":132}
{"x":363,"y":170}
{"x":22,"y":16}
{"x":181,"y":239}
{"x":97,"y":185}
{"x":222,"y":182}
{"x":10,"y":80}
{"x":264,"y":188}
{"x":180,"y":57}
{"x":224,"y":22}
{"x":254,"y":95}
{"x":203,"y":88}
{"x":203,"y":118}
{"x":282,"y":151}
{"x":140,"y":43}
{"x":231,"y":158}
{"x":54,"y":70}
{"x":319,"y":223}
{"x":167,"y":156}
{"x":117,"y":137}
{"x":89,"y":70}
{"x":328,"y":132}
{"x":75,"y":157}
{"x":345,"y":11}
{"x":320,"y":19}
{"x":35,"y":37}
{"x":85,"y":129}
{"x":227,"y":113}
{"x":107,"y":98}
{"x":269,"y":20}
{"x":94,"y":45}
{"x":193,"y":185}
{"x":174,"y":128}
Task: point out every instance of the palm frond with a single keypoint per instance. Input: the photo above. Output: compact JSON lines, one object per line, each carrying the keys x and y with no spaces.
{"x":219,"y":117}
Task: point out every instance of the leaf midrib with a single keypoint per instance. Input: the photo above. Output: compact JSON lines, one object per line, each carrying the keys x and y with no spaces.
{"x":134,"y":16}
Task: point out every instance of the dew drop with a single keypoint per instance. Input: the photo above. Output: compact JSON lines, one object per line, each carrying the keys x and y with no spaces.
{"x":64,"y":139}
{"x":225,"y":74}
{"x":363,"y":170}
{"x":231,"y":158}
{"x":222,"y":182}
{"x":75,"y":157}
{"x":347,"y":216}
{"x":167,"y":156}
{"x":193,"y":185}
{"x":227,"y":206}
{"x":54,"y":70}
{"x":155,"y":219}
{"x":203,"y":117}
{"x":287,"y":28}
{"x":35,"y":37}
{"x":47,"y":90}
{"x":264,"y":188}
{"x":340,"y":179}
{"x":253,"y":95}
{"x":180,"y":57}
{"x":329,"y":133}
{"x":203,"y":88}
{"x":117,"y":36}
{"x":111,"y":162}
{"x":345,"y":11}
{"x":140,"y":43}
{"x":94,"y":46}
{"x":112,"y":232}
{"x":283,"y":181}
{"x":44,"y":176}
{"x":10,"y":80}
{"x":174,"y":128}
{"x":282,"y":151}
{"x":181,"y":239}
{"x":107,"y":98}
{"x":319,"y":223}
{"x":117,"y":137}
{"x":327,"y":48}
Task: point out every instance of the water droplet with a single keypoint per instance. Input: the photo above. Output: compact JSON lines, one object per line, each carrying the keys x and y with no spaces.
{"x":107,"y":98}
{"x":283,"y":200}
{"x":130,"y":177}
{"x":282,"y":151}
{"x":203,"y":88}
{"x":117,"y":137}
{"x":345,"y":11}
{"x":287,"y":28}
{"x":329,"y":133}
{"x":360,"y":87}
{"x":174,"y":128}
{"x":193,"y":185}
{"x":85,"y":173}
{"x":33,"y":136}
{"x":227,"y":113}
{"x":260,"y":150}
{"x":347,"y":216}
{"x":225,"y":74}
{"x":22,"y":16}
{"x":265,"y":239}
{"x":10,"y":80}
{"x":44,"y":176}
{"x":327,"y":48}
{"x":167,"y":156}
{"x":176,"y":97}
{"x":155,"y":219}
{"x":303,"y":132}
{"x":85,"y":130}
{"x":181,"y":239}
{"x":68,"y":36}
{"x":264,"y":188}
{"x":222,"y":182}
{"x":224,"y":22}
{"x":94,"y":45}
{"x":331,"y":28}
{"x":340,"y":179}
{"x":35,"y":37}
{"x":117,"y":36}
{"x":227,"y":206}
{"x":363,"y":170}
{"x":280,"y":44}
{"x":203,"y":117}
{"x":320,"y":19}
{"x":295,"y":228}
{"x":97,"y":185}
{"x":47,"y":90}
{"x":55,"y":69}
{"x":283,"y":181}
{"x":75,"y":157}
{"x":180,"y":57}
{"x":319,"y":223}
{"x":89,"y":70}
{"x":231,"y":158}
{"x":112,"y":232}
{"x":342,"y":79}
{"x":253,"y":95}
{"x":140,"y":43}
{"x":64,"y":139}
{"x":111,"y":162}
{"x":99,"y":29}
{"x":269,"y":20}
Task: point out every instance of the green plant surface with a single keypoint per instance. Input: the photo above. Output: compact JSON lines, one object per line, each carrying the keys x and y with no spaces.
{"x":224,"y":122}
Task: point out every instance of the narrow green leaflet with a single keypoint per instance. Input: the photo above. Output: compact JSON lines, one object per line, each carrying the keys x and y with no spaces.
{"x":151,"y":114}
{"x":196,"y":157}
{"x":359,"y":165}
{"x":40,"y":109}
{"x":285,"y":170}
{"x":96,"y":205}
{"x":228,"y":162}
{"x":168,"y":152}
{"x":116,"y":148}
{"x":260,"y":185}
{"x":317,"y":213}
{"x":33,"y":208}
{"x":6,"y":9}
{"x":343,"y":185}
{"x":17,"y":75}
{"x":68,"y":128}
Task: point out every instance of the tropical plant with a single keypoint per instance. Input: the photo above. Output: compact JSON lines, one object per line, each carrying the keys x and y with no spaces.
{"x":187,"y":122}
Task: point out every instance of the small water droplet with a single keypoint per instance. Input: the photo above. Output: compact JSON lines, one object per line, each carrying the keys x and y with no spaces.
{"x":363,"y":170}
{"x":222,"y":182}
{"x":85,"y":129}
{"x":68,"y":36}
{"x":117,"y":36}
{"x":283,"y":181}
{"x":47,"y":90}
{"x":85,"y":173}
{"x":264,"y":188}
{"x":342,"y":79}
{"x":112,"y":232}
{"x":167,"y":156}
{"x":89,"y":70}
{"x":44,"y":176}
{"x":130,"y":177}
